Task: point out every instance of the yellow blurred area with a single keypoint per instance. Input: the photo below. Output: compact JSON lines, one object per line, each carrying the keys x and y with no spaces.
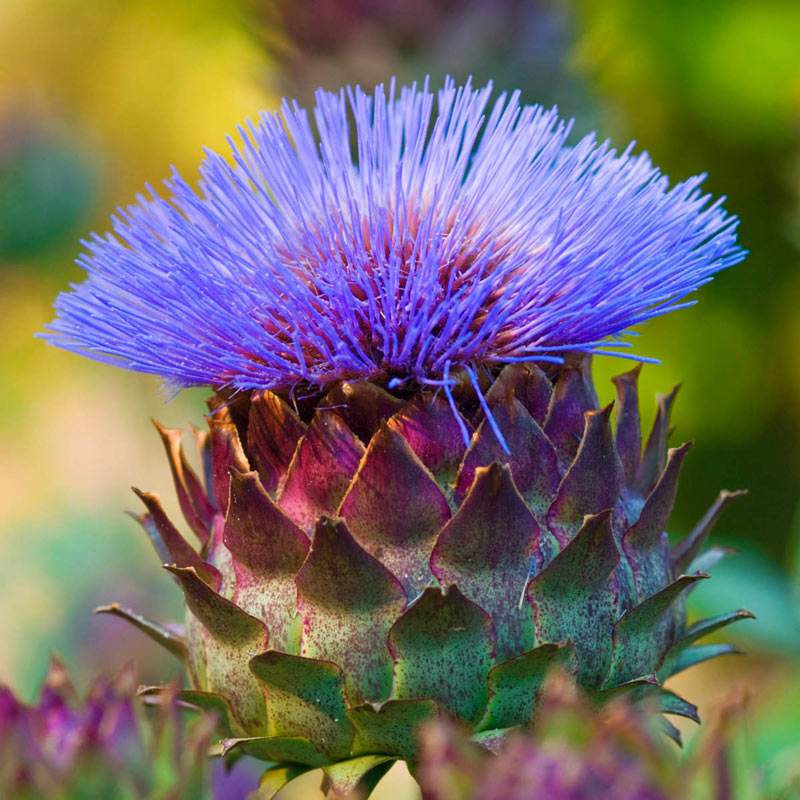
{"x":141,"y":85}
{"x":149,"y":83}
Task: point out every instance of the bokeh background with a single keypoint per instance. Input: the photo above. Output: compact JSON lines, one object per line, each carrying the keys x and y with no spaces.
{"x":96,"y":99}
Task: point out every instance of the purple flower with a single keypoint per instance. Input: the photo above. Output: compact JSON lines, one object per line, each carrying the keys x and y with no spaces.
{"x":105,"y":745}
{"x":400,"y":236}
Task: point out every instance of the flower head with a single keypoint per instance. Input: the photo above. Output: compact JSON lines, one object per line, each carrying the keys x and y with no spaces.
{"x":400,"y":236}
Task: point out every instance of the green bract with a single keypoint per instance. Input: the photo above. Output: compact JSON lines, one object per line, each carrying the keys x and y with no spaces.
{"x":362,"y":571}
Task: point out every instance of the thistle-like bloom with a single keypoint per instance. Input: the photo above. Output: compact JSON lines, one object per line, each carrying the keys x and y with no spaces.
{"x":372,"y":555}
{"x":411,"y":234}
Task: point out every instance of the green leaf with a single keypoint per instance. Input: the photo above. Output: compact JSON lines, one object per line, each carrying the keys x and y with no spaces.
{"x":291,"y":749}
{"x":485,"y":549}
{"x":268,"y":549}
{"x":684,"y":553}
{"x":206,"y":701}
{"x":670,"y":730}
{"x":671,"y":703}
{"x":641,"y":635}
{"x":573,"y":598}
{"x":514,"y":685}
{"x":693,"y":634}
{"x":391,"y":728}
{"x":692,"y":656}
{"x":705,"y":562}
{"x":305,"y":697}
{"x":348,"y":601}
{"x":752,"y":580}
{"x":492,"y":740}
{"x":643,"y":683}
{"x":230,"y":637}
{"x":443,"y":648}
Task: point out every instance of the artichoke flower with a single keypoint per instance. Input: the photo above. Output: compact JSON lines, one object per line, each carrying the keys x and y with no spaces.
{"x":412,"y":504}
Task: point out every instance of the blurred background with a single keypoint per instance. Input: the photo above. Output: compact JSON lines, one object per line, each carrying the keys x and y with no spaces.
{"x":96,"y":99}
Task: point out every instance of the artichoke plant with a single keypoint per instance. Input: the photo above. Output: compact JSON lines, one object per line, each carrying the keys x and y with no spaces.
{"x":106,"y":745}
{"x":411,"y":502}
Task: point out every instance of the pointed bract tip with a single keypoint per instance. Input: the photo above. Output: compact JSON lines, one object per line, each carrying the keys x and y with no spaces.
{"x":111,"y":608}
{"x":631,"y":375}
{"x":733,"y":494}
{"x":597,"y":519}
{"x":681,"y":449}
{"x":600,"y":415}
{"x":163,"y":431}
